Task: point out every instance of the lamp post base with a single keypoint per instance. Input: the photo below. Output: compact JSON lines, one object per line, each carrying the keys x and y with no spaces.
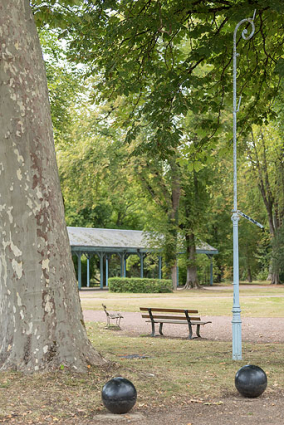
{"x":237,"y":335}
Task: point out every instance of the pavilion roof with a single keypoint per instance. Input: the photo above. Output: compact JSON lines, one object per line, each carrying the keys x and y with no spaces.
{"x":116,"y":240}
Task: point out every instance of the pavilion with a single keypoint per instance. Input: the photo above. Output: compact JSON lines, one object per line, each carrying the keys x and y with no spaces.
{"x":106,"y":242}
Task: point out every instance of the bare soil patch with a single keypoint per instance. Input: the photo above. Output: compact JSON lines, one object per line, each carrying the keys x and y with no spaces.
{"x":228,"y":411}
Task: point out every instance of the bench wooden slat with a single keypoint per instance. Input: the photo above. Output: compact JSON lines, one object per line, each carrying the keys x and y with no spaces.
{"x":177,"y":322}
{"x":161,"y":316}
{"x":182,"y":322}
{"x":169,"y":310}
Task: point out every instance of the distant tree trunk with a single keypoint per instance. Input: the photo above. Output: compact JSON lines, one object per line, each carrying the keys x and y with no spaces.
{"x":249,"y":274}
{"x":219,"y":275}
{"x":273,"y":274}
{"x":41,"y":322}
{"x":174,"y":276}
{"x":191,"y":272}
{"x":173,"y":217}
{"x":274,"y":277}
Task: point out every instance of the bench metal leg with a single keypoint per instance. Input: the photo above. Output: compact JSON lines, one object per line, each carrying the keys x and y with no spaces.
{"x":153,"y":329}
{"x":190,"y":331}
{"x":198,"y":331}
{"x":161,"y":329}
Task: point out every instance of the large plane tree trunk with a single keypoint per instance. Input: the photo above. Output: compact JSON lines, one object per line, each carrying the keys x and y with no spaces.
{"x":41,"y":323}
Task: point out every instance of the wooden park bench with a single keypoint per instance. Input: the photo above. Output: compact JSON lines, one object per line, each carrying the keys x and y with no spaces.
{"x":172,"y":315}
{"x":112,"y":316}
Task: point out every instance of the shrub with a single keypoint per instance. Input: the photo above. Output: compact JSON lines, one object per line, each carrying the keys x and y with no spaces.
{"x":139,"y":285}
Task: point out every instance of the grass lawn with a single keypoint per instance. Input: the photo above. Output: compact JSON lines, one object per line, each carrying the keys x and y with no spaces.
{"x":256,"y":301}
{"x":168,"y":370}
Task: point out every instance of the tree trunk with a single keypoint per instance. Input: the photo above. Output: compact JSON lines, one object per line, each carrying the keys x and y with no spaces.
{"x":273,"y":276}
{"x":267,"y":196}
{"x":171,"y":236}
{"x":174,"y":276}
{"x":219,"y":275}
{"x":249,"y":275}
{"x":41,"y":322}
{"x":191,"y":272}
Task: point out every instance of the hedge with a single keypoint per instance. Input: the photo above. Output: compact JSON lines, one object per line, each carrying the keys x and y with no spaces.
{"x":139,"y":285}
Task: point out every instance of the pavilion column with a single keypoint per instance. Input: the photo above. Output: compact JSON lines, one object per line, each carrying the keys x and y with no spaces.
{"x":107,"y":258}
{"x":124,"y":264}
{"x":160,"y":267}
{"x":101,"y":257}
{"x":79,"y":255}
{"x":211,"y":268}
{"x":141,"y":265}
{"x":88,"y":269}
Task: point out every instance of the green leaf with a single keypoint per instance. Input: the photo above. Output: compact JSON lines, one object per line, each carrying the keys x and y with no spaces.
{"x":279,"y":67}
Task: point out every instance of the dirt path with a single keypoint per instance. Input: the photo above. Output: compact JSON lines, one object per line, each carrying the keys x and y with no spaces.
{"x":253,"y":329}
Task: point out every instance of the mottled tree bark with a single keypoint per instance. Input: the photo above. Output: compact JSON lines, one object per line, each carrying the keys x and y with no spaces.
{"x":41,"y":323}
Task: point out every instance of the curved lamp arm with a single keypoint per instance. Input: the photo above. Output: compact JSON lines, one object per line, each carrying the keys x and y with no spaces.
{"x":245,"y":36}
{"x":245,"y":31}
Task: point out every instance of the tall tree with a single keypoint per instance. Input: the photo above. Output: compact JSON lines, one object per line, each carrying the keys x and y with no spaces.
{"x":265,"y":150}
{"x":41,"y":323}
{"x":160,"y":181}
{"x":194,"y":206}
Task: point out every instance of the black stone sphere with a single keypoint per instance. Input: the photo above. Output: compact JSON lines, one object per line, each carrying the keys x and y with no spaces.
{"x":251,"y":381}
{"x":119,"y":395}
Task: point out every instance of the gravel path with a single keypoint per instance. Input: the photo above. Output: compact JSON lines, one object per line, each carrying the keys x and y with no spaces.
{"x":264,"y":330}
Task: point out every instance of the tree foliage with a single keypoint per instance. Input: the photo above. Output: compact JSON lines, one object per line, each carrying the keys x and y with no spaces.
{"x":171,"y":57}
{"x":160,"y":79}
{"x":64,"y":83}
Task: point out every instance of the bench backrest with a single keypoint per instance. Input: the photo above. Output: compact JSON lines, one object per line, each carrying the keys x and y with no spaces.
{"x":172,"y":313}
{"x":105,"y":309}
